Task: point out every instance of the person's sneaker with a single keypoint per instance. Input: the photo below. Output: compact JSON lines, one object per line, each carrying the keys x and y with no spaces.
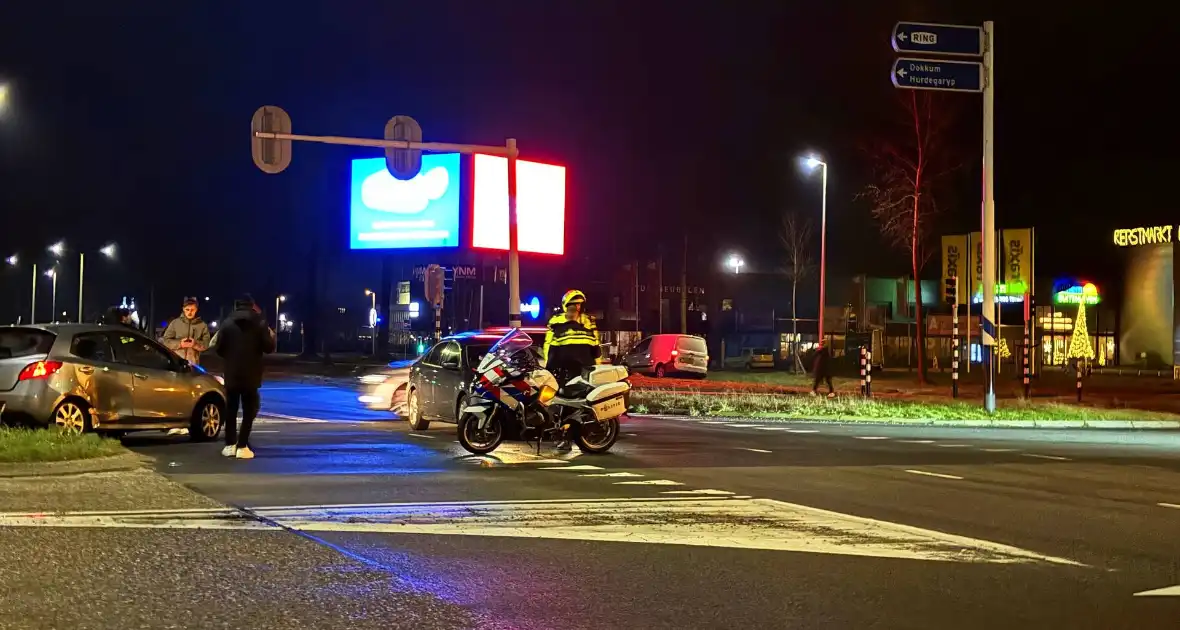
{"x":229,"y":451}
{"x":244,"y":452}
{"x":177,"y":431}
{"x":565,"y":446}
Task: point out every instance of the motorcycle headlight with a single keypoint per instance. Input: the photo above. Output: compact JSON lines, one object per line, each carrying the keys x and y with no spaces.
{"x":547,"y":393}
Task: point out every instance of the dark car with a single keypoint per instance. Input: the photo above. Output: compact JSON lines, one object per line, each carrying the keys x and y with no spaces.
{"x":439,"y":379}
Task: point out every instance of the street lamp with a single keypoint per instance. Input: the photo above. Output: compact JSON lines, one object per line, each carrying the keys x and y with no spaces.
{"x":107,"y":250}
{"x":52,"y":273}
{"x":278,"y":300}
{"x":4,"y":90}
{"x":373,"y":318}
{"x":812,"y":163}
{"x":57,"y":249}
{"x":736,"y":262}
{"x":12,"y":260}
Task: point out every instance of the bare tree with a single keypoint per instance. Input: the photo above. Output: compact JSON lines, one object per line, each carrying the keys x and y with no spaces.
{"x":795,"y":234}
{"x":906,"y":174}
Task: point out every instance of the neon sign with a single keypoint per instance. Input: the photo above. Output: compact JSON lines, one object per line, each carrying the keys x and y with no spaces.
{"x":1143,"y":236}
{"x":1085,"y":293}
{"x":1006,"y":293}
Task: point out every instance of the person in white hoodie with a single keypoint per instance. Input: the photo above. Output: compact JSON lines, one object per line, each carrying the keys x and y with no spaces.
{"x":188,"y":337}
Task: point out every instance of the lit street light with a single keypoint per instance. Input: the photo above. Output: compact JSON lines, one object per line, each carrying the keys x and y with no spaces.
{"x":12,"y":260}
{"x":736,"y":263}
{"x":278,"y":300}
{"x":57,"y":249}
{"x":52,"y":273}
{"x":4,"y":90}
{"x":107,"y":250}
{"x":812,"y":163}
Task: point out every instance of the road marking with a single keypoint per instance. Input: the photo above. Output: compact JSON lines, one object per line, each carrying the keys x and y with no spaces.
{"x":933,"y":474}
{"x":954,"y":446}
{"x":916,"y":441}
{"x":265,"y":431}
{"x":631,"y":434}
{"x":649,"y":482}
{"x":999,"y":450}
{"x":283,"y":416}
{"x":714,"y":422}
{"x":773,"y":429}
{"x":1173,"y":591}
{"x":803,"y":430}
{"x":704,"y":521}
{"x":1052,"y":457}
{"x":579,"y":467}
{"x":741,"y":426}
{"x":419,"y":435}
{"x":612,"y":474}
{"x":870,"y":437}
{"x":707,"y":492}
{"x":755,"y":450}
{"x":1169,"y":505}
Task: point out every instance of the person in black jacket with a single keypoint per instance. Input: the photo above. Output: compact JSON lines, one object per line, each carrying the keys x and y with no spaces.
{"x":823,"y":370}
{"x":241,"y":341}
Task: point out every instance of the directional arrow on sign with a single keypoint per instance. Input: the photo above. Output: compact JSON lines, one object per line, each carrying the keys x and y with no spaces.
{"x":1173,"y":591}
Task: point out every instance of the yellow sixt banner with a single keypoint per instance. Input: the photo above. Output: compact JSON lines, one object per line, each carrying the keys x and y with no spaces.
{"x":954,"y":262}
{"x":1016,"y":252}
{"x":975,"y":242}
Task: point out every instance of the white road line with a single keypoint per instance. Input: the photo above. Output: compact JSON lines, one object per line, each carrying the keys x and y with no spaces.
{"x":714,"y":422}
{"x":265,"y":431}
{"x":1052,"y":457}
{"x":999,"y":450}
{"x":708,"y":492}
{"x":802,"y":430}
{"x":870,"y":437}
{"x":271,"y":414}
{"x":755,"y":450}
{"x":1167,"y":591}
{"x":612,"y":474}
{"x":933,"y":474}
{"x":773,"y":429}
{"x":631,"y":434}
{"x":954,"y":446}
{"x":741,"y":426}
{"x":649,"y":482}
{"x":1169,"y":505}
{"x":916,"y":441}
{"x":579,"y":467}
{"x":419,"y":435}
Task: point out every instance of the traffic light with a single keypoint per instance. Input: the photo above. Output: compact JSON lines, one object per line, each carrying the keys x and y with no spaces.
{"x":952,"y":295}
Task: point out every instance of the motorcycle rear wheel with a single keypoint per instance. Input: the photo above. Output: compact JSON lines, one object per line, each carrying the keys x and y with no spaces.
{"x":473,"y":440}
{"x":602,"y":436}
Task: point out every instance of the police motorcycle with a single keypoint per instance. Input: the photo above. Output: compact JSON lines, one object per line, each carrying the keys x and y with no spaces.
{"x":511,"y":394}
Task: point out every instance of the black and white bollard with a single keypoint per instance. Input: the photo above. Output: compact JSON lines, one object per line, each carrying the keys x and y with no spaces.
{"x":1026,"y":356}
{"x":868,"y":374}
{"x":863,"y":353}
{"x":1078,"y":370}
{"x":437,"y":323}
{"x":955,"y":354}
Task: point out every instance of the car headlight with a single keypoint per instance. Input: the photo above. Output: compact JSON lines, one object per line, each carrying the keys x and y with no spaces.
{"x":220,"y":379}
{"x":547,"y":393}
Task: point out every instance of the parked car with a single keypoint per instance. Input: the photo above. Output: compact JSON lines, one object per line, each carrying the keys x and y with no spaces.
{"x":385,"y":389}
{"x":92,"y":377}
{"x":752,"y":359}
{"x":662,"y":355}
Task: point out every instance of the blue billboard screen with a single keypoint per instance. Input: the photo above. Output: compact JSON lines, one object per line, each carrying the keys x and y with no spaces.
{"x":387,"y":213}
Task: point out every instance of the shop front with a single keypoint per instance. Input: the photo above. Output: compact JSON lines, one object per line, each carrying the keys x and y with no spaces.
{"x":1148,"y":317}
{"x":1075,"y":317}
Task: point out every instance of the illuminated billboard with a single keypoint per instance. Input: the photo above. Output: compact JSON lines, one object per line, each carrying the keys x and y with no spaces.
{"x":387,"y":213}
{"x":540,"y":206}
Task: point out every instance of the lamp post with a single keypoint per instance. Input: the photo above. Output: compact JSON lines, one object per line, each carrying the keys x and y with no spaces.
{"x":736,"y":262}
{"x":373,"y":317}
{"x":107,"y":250}
{"x":52,"y":273}
{"x":812,"y":163}
{"x":279,"y":299}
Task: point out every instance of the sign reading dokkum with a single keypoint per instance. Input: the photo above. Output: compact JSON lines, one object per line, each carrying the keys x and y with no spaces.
{"x":1131,"y":237}
{"x":954,"y":262}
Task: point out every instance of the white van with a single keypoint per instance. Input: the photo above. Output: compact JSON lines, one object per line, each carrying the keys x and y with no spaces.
{"x":662,"y":355}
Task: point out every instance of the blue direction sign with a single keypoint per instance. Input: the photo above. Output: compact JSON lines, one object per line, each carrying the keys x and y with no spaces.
{"x":938,"y":74}
{"x":941,"y":39}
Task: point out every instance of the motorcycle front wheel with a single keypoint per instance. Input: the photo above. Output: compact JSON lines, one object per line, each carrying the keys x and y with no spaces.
{"x":480,"y":441}
{"x":597,"y":437}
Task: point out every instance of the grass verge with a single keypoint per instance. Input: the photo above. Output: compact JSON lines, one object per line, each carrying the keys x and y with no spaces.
{"x":853,"y":408}
{"x":52,"y":445}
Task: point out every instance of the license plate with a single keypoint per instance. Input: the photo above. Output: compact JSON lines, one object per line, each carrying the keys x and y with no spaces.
{"x":608,"y":409}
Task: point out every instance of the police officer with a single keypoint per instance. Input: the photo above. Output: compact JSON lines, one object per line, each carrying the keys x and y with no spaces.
{"x":571,"y":344}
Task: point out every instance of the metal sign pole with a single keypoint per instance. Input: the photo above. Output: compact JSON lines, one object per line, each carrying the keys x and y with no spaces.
{"x":989,"y":219}
{"x":513,"y":244}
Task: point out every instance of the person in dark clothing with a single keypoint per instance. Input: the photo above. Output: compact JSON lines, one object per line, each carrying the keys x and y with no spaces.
{"x":822,"y":369}
{"x":119,"y":316}
{"x":241,"y":341}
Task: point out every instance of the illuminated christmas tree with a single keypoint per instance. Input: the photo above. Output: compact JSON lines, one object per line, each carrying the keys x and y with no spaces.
{"x":1079,"y":344}
{"x":1003,"y":350}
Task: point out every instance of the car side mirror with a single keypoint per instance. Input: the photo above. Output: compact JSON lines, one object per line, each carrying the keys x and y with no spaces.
{"x":451,"y":364}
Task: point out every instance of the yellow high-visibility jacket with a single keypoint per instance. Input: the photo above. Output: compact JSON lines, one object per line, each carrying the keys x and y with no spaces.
{"x":564,"y":331}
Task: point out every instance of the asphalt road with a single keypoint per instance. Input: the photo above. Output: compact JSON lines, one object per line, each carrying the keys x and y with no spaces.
{"x":725,"y":523}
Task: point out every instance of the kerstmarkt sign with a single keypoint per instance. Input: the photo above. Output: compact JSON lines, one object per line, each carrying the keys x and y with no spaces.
{"x":1132,"y":237}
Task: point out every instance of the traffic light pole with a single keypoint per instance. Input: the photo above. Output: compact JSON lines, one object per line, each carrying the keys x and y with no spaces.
{"x":270,"y":164}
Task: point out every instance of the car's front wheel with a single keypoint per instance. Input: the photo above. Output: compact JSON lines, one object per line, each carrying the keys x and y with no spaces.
{"x":207,"y":421}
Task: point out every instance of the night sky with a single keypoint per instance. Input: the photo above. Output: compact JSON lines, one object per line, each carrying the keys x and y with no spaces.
{"x":127,"y":122}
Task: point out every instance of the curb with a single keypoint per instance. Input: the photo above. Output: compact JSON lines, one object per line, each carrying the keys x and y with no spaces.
{"x":113,"y":463}
{"x":971,"y":424}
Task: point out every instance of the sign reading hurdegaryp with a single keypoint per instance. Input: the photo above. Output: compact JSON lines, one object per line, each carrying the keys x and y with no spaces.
{"x":948,"y":76}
